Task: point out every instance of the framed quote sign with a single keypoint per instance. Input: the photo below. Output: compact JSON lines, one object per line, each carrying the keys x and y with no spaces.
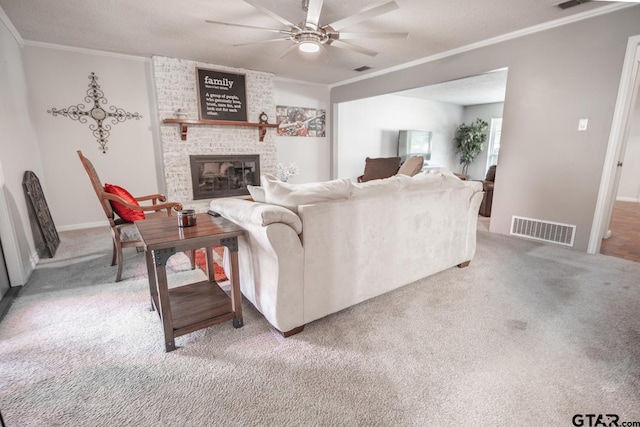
{"x":221,"y":95}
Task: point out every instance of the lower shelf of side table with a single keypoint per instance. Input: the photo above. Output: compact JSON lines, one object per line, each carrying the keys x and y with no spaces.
{"x":198,"y":306}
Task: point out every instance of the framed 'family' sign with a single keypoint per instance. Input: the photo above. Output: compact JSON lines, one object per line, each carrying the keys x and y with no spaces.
{"x":221,"y":95}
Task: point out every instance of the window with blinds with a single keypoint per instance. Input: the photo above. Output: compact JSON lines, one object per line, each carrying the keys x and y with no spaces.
{"x":494,"y":142}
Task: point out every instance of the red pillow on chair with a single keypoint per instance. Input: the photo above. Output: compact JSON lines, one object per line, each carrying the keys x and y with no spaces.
{"x":124,"y":212}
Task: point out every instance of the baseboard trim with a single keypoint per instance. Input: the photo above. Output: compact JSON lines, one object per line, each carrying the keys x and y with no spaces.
{"x":7,"y":300}
{"x":84,"y":225}
{"x":627,"y":199}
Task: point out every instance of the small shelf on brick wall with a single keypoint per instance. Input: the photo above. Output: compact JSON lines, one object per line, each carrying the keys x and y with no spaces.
{"x":184,"y":124}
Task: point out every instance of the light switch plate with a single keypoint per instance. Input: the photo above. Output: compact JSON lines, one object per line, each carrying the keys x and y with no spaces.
{"x":582,"y":124}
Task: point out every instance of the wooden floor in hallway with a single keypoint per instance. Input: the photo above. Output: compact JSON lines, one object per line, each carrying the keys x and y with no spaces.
{"x":625,"y":232}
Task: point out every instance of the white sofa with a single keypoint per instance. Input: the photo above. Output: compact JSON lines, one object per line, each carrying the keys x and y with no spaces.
{"x":311,"y":250}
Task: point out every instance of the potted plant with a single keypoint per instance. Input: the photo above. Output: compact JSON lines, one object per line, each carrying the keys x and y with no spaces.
{"x":469,"y":140}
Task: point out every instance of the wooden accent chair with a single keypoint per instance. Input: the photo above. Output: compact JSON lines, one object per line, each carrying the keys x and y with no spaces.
{"x":125,"y":233}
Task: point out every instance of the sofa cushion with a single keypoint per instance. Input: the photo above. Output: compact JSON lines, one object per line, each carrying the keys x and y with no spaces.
{"x":375,"y":187}
{"x":257,"y":193}
{"x":412,"y":166}
{"x":421,"y":180}
{"x":382,"y":167}
{"x":291,"y":196}
{"x":256,"y":213}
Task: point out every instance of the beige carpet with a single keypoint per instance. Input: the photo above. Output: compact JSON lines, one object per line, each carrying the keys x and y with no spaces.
{"x":528,"y":335}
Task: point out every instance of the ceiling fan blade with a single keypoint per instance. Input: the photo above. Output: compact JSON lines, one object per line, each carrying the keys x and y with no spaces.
{"x":272,"y":14}
{"x":273,"y":30}
{"x":262,"y":41}
{"x":288,"y":51}
{"x":313,"y":12}
{"x":622,"y":1}
{"x":327,"y":58}
{"x":364,"y":15}
{"x":352,"y":47}
{"x":354,"y":36}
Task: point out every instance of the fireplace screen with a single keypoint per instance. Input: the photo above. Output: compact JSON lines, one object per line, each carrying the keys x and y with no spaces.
{"x":223,"y":176}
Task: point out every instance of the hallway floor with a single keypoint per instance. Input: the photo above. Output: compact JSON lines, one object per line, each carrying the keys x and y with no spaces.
{"x":625,"y":232}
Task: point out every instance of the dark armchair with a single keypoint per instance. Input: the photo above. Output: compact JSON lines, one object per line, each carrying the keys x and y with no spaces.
{"x":487,"y":187}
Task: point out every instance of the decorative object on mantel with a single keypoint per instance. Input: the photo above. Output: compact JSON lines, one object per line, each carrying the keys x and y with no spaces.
{"x":97,"y":113}
{"x":284,"y":172}
{"x":42,"y":226}
{"x":184,"y":124}
{"x":264,"y":118}
{"x":299,"y":121}
{"x":181,"y":113}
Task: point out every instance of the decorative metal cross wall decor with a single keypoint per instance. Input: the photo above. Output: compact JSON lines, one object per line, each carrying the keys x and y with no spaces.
{"x":97,"y":113}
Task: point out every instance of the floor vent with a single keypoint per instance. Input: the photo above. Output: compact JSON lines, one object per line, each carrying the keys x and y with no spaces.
{"x":547,"y":231}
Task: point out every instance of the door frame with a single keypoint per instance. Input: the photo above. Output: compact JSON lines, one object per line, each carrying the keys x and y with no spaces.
{"x":619,"y":125}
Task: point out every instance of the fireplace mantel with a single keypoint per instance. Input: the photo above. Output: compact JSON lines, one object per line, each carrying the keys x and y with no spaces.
{"x":184,"y":123}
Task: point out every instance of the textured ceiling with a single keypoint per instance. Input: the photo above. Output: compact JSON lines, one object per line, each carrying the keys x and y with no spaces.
{"x":481,"y":89}
{"x":178,"y":29}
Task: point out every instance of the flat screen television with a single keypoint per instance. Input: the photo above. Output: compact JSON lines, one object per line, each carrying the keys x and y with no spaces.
{"x":414,"y":143}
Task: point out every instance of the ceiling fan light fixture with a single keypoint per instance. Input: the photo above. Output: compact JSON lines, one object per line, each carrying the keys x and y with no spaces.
{"x":309,"y":47}
{"x":308,"y":43}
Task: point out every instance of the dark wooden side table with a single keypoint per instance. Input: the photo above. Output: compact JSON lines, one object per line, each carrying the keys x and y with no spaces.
{"x":187,"y":308}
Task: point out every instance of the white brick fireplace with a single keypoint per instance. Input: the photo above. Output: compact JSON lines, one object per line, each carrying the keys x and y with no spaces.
{"x":175,"y":87}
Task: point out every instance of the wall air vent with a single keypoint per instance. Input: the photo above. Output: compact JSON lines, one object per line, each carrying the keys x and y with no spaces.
{"x":361,"y":69}
{"x":571,"y":3}
{"x":547,"y":231}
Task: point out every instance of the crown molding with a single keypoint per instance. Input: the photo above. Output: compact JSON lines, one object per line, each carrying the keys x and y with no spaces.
{"x":494,"y":40}
{"x":301,"y":82}
{"x":12,"y":29}
{"x":86,"y":51}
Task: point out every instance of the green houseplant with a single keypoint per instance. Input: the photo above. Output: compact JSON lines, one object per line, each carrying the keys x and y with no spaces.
{"x":469,"y":140}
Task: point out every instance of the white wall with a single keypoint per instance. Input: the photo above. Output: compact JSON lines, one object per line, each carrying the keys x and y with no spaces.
{"x":18,"y":153}
{"x":478,"y":169}
{"x":369,"y":128}
{"x":556,"y":77}
{"x":129,"y":160}
{"x":311,"y":154}
{"x":134,"y":158}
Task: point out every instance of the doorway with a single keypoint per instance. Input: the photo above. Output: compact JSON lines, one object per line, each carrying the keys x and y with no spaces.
{"x":615,"y":217}
{"x":624,"y":241}
{"x":623,"y":236}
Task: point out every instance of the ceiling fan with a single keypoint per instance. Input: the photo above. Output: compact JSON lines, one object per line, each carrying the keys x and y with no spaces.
{"x":310,"y":36}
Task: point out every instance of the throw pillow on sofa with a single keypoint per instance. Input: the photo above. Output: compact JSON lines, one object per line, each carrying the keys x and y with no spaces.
{"x":380,"y":168}
{"x":412,"y":166}
{"x":291,"y":196}
{"x":257,"y":193}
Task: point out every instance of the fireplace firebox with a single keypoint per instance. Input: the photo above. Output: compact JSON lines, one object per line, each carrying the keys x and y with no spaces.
{"x":223,"y":175}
